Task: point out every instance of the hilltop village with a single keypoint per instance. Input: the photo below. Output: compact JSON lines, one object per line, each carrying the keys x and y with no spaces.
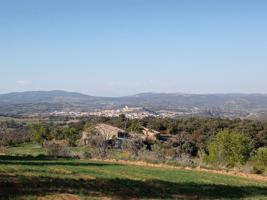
{"x":130,"y":113}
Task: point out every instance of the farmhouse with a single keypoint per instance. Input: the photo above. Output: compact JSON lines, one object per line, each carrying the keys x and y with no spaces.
{"x":108,"y":132}
{"x":118,"y":138}
{"x":150,"y":134}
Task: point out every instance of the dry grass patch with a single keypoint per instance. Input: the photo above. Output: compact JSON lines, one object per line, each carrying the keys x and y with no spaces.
{"x":60,"y":197}
{"x":60,"y":170}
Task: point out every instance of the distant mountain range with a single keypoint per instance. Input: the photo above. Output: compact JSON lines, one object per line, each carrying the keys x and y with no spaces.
{"x":47,"y":101}
{"x":42,"y":96}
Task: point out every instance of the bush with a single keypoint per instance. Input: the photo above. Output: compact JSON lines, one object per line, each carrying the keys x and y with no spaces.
{"x":190,"y":149}
{"x":2,"y":150}
{"x":135,"y":146}
{"x":261,"y":156}
{"x":87,"y":155}
{"x":99,"y":146}
{"x":71,"y":134}
{"x":57,"y":150}
{"x":8,"y":142}
{"x":40,"y":132}
{"x":259,"y":161}
{"x":229,"y":148}
{"x":160,"y":152}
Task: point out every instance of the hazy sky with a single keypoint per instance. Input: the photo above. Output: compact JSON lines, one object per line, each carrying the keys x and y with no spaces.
{"x":114,"y":48}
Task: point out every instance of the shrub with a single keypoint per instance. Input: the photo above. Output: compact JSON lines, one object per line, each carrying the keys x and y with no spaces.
{"x":259,"y":161}
{"x":40,"y":133}
{"x":57,"y":150}
{"x":190,"y":149}
{"x":261,"y":156}
{"x":87,"y":155}
{"x":135,"y":146}
{"x":71,"y":134}
{"x":99,"y":146}
{"x":160,"y":152}
{"x":229,"y":148}
{"x":2,"y":150}
{"x":9,"y":142}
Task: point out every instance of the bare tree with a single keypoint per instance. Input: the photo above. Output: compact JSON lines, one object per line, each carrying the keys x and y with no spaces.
{"x":56,"y":149}
{"x":135,"y":145}
{"x":100,"y":145}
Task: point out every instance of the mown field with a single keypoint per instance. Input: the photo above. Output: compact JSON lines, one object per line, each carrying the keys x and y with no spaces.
{"x":40,"y":177}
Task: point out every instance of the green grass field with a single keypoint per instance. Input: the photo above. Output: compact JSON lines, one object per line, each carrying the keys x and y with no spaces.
{"x":35,"y":150}
{"x":28,"y":177}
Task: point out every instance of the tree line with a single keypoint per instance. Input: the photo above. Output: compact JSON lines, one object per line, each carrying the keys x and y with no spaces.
{"x":218,"y":141}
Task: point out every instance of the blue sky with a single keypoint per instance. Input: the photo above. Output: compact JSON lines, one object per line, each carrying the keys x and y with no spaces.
{"x":122,"y":47}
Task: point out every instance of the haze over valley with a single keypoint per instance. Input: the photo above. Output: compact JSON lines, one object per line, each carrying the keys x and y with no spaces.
{"x":46,"y":103}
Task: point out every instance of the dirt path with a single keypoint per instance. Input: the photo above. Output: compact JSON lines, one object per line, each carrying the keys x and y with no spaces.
{"x":198,"y":169}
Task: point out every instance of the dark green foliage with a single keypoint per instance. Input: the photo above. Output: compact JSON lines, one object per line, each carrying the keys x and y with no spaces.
{"x":70,"y":134}
{"x":190,"y":137}
{"x":13,"y":132}
{"x":135,"y":126}
{"x":190,"y":148}
{"x":40,"y":132}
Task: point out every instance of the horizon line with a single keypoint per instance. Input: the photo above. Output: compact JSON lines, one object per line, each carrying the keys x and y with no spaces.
{"x":141,"y":93}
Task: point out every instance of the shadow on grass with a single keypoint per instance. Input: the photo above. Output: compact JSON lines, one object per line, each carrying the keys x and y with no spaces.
{"x":15,"y":187}
{"x":22,"y":186}
{"x":26,"y":157}
{"x":43,"y":160}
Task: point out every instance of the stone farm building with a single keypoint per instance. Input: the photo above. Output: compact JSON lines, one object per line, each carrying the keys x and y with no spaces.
{"x":108,"y":132}
{"x":119,"y":136}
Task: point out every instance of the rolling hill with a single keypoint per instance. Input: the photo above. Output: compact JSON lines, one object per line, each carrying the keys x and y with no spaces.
{"x":46,"y":101}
